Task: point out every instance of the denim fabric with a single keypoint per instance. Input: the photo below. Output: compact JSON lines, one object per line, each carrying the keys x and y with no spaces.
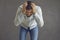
{"x":33,"y":33}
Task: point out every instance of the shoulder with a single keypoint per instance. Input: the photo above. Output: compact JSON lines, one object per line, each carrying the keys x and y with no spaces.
{"x":38,"y":7}
{"x":38,"y":11}
{"x":20,"y":6}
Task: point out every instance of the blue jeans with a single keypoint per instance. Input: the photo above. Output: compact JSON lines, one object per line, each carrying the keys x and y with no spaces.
{"x":33,"y":33}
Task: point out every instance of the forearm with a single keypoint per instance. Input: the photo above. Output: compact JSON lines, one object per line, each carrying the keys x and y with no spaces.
{"x":18,"y":17}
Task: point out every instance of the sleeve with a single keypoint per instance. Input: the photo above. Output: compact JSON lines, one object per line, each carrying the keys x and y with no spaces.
{"x":18,"y":17}
{"x":39,"y":17}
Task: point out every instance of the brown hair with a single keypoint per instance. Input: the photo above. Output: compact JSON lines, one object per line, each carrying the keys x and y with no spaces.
{"x":32,"y":5}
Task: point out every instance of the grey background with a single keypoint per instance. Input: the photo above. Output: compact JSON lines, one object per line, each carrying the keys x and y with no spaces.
{"x":51,"y":10}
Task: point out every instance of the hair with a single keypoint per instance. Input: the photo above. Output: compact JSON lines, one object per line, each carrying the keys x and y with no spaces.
{"x":27,"y":6}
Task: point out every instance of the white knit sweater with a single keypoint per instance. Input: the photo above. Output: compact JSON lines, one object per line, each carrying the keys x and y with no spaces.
{"x":32,"y":21}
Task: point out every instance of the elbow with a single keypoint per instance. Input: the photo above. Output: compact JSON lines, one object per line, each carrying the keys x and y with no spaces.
{"x":42,"y":24}
{"x":15,"y":22}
